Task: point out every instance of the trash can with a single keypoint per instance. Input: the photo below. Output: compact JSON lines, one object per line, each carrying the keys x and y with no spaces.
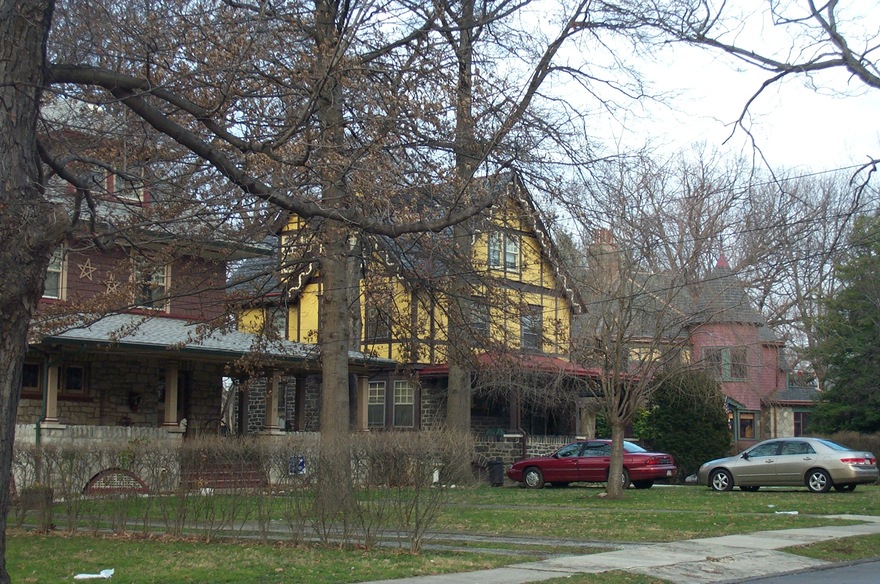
{"x":496,"y":473}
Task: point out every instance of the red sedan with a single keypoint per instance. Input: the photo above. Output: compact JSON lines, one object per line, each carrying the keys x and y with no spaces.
{"x":588,"y":461}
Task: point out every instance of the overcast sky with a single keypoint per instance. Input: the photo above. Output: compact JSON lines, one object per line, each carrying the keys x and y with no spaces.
{"x":795,"y":126}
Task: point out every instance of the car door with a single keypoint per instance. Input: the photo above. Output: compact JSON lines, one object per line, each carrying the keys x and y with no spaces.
{"x":594,"y":462}
{"x":759,"y":467}
{"x":563,"y":465}
{"x":795,"y":459}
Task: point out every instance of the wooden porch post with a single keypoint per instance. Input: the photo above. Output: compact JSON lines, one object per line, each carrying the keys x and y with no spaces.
{"x":51,"y":418}
{"x":170,"y":421}
{"x":299,"y":404}
{"x":363,"y":394}
{"x":514,"y":405}
{"x":271,"y":419}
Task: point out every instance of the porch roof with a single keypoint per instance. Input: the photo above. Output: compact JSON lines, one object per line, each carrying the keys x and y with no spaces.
{"x":164,"y":335}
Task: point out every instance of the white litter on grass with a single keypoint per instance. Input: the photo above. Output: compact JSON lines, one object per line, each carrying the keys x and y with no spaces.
{"x":786,"y":512}
{"x":105,"y":575}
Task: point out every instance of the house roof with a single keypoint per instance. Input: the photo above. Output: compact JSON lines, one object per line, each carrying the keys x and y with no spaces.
{"x":795,"y":395}
{"x":171,"y":336}
{"x":524,"y":361}
{"x":417,"y":256}
{"x":722,"y":298}
{"x":257,"y":275}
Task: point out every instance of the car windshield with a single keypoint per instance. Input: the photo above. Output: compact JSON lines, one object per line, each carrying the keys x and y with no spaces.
{"x":630,"y":447}
{"x":834,"y":445}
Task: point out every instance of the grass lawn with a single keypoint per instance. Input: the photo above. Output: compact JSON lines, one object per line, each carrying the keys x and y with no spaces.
{"x":577,"y":514}
{"x":55,"y":558}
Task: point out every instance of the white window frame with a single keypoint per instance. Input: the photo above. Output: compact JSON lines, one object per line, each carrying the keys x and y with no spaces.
{"x":57,"y":268}
{"x":404,"y":398}
{"x":504,"y":252}
{"x":158,"y":284}
{"x":532,"y":327}
{"x":376,"y":404}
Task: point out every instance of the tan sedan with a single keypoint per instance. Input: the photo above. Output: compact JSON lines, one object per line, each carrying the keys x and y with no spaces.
{"x":816,"y":463}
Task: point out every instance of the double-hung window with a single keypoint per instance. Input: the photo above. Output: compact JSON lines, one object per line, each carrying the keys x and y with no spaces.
{"x":727,"y":363}
{"x":376,"y":405}
{"x":404,"y":404}
{"x":531,"y":325}
{"x":54,"y":285}
{"x":504,"y":251}
{"x":378,"y":324}
{"x":480,"y":316}
{"x":151,"y":286}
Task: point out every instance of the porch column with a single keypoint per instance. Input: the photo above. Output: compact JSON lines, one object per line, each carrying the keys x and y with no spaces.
{"x":586,"y":421}
{"x":515,"y":407}
{"x":170,"y":422}
{"x":363,"y":394}
{"x":299,"y":404}
{"x":51,"y":418}
{"x":271,"y":420}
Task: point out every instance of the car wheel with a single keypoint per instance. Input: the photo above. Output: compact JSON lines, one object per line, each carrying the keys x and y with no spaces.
{"x":533,"y":478}
{"x":818,"y":481}
{"x":643,"y":484}
{"x":845,"y":488}
{"x":721,"y":480}
{"x":624,"y":478}
{"x":750,"y":489}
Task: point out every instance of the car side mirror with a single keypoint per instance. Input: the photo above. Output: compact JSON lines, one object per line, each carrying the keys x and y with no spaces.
{"x":745,"y":455}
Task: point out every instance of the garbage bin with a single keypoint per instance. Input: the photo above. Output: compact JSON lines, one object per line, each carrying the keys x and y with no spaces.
{"x":496,"y":473}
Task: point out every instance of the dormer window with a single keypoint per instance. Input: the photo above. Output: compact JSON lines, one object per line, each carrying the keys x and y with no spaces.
{"x":504,"y":252}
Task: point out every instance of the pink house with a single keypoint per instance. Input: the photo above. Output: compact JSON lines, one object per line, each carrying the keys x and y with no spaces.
{"x":730,"y":337}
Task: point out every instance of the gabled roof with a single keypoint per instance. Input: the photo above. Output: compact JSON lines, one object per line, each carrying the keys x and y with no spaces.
{"x":414,"y":255}
{"x":257,"y":275}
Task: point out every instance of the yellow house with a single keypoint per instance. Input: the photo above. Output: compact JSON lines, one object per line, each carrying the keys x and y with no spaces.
{"x":520,"y":304}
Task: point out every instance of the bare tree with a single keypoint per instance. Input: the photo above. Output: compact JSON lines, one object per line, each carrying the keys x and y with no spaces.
{"x":811,"y":38}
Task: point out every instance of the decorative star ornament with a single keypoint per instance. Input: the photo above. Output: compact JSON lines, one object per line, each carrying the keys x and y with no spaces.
{"x":87,"y":269}
{"x":112,"y":284}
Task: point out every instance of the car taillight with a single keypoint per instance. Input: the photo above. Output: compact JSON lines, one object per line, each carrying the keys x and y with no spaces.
{"x":860,"y":461}
{"x":657,"y":460}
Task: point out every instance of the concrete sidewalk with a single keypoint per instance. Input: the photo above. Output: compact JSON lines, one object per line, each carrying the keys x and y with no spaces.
{"x":729,"y":558}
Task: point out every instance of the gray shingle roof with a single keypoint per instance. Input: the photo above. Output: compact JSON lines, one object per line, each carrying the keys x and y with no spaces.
{"x":796,"y":394}
{"x":722,"y":298}
{"x":162,"y":334}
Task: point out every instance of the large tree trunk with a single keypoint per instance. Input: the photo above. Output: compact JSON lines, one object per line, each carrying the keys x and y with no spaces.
{"x":334,"y":486}
{"x":458,"y":400}
{"x":29,"y":226}
{"x":614,"y":488}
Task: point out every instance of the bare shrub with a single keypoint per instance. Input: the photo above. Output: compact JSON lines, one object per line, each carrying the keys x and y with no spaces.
{"x":291,"y":462}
